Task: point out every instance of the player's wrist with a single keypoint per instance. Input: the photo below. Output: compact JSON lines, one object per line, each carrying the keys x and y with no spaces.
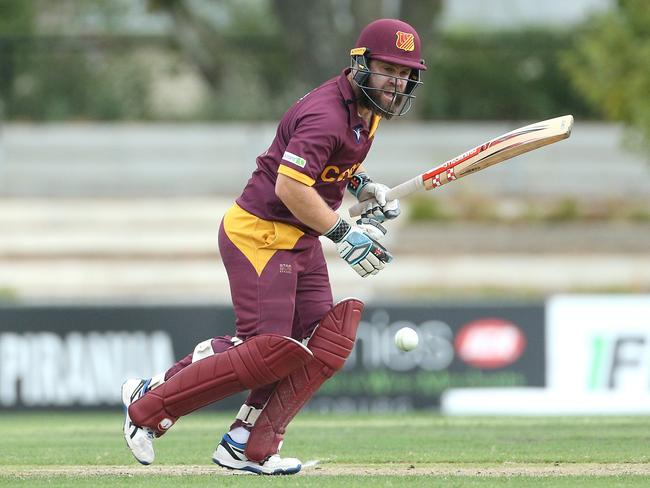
{"x":338,"y":231}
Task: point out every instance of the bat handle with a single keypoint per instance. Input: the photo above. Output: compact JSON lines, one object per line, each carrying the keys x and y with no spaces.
{"x":355,"y":210}
{"x":399,"y":191}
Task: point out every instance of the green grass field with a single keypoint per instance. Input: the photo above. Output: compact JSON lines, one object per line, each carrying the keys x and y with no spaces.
{"x":87,"y":449}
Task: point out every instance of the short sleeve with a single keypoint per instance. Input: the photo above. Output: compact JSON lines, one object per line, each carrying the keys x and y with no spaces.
{"x":311,"y":145}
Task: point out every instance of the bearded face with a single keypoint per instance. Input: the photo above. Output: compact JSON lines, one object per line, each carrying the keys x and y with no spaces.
{"x":384,"y":104}
{"x":384,"y":90}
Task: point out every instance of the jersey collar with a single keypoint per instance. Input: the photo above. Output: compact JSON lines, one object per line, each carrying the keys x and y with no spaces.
{"x":349,"y":101}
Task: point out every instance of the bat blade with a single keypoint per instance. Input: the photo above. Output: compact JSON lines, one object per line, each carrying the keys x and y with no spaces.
{"x":502,"y":148}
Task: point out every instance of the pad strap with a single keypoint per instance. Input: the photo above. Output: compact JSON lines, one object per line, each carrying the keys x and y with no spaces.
{"x":202,"y":350}
{"x":256,"y":362}
{"x":248,"y":414}
{"x":331,"y":343}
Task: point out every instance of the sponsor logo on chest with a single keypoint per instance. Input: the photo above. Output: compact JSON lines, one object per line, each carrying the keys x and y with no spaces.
{"x":333,"y":173}
{"x":357,"y":132}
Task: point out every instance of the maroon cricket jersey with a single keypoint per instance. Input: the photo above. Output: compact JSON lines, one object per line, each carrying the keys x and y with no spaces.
{"x":320,"y":141}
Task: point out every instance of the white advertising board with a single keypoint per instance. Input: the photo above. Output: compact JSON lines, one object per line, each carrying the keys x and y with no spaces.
{"x":597,"y":362}
{"x":598,"y":344}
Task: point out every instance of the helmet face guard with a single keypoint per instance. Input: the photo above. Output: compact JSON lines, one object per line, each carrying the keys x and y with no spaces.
{"x":402,"y":101}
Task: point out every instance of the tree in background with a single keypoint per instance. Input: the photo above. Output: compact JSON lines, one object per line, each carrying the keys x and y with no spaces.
{"x":610,"y":65}
{"x":259,"y":56}
{"x":265,"y":54}
{"x":500,"y":75}
{"x":52,"y":69}
{"x":250,"y":59}
{"x":319,"y":35}
{"x":236,"y":48}
{"x":16,"y":22}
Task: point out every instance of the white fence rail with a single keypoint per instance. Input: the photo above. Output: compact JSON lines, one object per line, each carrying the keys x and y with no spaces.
{"x":152,"y":160}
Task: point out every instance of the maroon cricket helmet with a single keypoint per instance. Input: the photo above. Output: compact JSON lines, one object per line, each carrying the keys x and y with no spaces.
{"x":392,"y":41}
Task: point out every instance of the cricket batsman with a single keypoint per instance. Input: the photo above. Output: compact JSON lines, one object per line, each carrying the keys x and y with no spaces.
{"x":289,"y":336}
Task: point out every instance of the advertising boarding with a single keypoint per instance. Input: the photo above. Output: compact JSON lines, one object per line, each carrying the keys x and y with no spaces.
{"x":600,"y":344}
{"x":78,"y":356}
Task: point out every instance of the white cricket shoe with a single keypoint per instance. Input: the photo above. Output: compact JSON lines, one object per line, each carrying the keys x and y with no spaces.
{"x":230,"y":454}
{"x":139,"y":439}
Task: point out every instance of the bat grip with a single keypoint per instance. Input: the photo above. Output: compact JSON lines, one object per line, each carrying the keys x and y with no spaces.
{"x":355,"y":210}
{"x":398,"y":191}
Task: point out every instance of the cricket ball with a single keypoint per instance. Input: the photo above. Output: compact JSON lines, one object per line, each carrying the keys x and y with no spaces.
{"x":406,"y":339}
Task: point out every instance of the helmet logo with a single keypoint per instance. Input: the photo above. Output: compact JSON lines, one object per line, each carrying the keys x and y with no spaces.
{"x":405,"y":41}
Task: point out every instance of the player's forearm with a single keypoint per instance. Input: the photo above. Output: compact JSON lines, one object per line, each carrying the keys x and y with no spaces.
{"x":305,"y":204}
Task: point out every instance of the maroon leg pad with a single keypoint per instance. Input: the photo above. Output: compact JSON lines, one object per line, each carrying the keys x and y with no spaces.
{"x":256,"y":362}
{"x":219,"y":344}
{"x":331,"y":344}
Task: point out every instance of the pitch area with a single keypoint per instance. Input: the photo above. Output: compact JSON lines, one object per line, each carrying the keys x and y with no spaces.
{"x":424,"y":449}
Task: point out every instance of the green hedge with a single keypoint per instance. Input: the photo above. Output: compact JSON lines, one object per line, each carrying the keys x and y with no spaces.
{"x":490,"y":76}
{"x":500,"y":76}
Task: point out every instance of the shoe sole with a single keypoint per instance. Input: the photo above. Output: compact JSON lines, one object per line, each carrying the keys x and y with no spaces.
{"x":244,"y":466}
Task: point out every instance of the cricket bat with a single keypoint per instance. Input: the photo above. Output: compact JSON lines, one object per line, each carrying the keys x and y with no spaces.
{"x":489,"y":153}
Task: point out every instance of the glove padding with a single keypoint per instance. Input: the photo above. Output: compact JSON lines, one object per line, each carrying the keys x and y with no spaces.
{"x":356,"y":246}
{"x":375,"y":205}
{"x":373,"y":197}
{"x":372,"y":227}
{"x":362,"y":252}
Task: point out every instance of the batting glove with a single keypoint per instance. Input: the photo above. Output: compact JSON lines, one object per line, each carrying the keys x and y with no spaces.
{"x":373,"y":228}
{"x":373,"y":197}
{"x":363,"y":253}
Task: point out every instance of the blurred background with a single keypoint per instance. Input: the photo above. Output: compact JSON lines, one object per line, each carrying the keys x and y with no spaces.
{"x":127,"y":128}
